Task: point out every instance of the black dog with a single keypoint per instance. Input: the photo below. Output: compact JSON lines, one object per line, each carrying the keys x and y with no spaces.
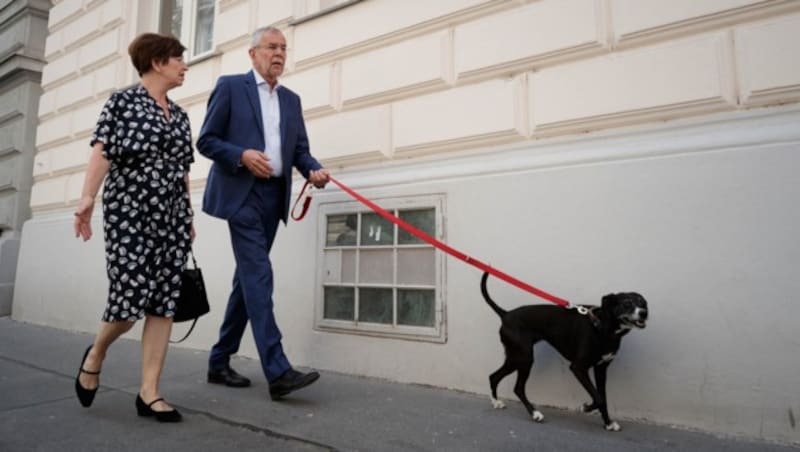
{"x":586,"y":340}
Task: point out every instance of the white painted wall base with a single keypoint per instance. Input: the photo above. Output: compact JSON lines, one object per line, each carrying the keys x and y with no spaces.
{"x":700,"y":216}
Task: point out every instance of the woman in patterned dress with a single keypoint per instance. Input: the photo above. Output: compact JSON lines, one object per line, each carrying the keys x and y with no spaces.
{"x":142,"y":148}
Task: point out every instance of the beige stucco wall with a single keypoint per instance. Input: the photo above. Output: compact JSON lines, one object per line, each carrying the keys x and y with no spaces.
{"x":682,"y":189}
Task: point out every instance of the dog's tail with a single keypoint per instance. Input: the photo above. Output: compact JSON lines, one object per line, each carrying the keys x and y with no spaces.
{"x":500,"y":311}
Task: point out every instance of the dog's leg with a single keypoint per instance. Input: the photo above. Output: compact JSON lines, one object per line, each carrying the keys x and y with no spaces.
{"x":581,"y":372}
{"x":524,"y":364}
{"x":600,"y":382}
{"x":494,"y":380}
{"x":509,"y":347}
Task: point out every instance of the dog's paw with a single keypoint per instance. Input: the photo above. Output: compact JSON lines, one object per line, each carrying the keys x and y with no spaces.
{"x":588,"y":407}
{"x":613,"y":427}
{"x":537,"y":416}
{"x":497,"y":404}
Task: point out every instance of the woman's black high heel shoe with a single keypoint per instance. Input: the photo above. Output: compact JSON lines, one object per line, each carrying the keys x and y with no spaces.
{"x":85,"y":396}
{"x":146,"y":410}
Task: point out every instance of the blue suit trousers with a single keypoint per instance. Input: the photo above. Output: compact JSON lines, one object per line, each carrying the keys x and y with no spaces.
{"x":252,"y":229}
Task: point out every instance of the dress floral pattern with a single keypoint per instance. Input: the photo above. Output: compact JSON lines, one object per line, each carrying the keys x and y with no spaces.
{"x":147,"y":216}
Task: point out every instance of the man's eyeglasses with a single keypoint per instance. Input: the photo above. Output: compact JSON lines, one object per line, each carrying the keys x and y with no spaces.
{"x":274,"y":48}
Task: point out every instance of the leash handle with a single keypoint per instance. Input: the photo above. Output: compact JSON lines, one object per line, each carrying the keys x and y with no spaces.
{"x":306,"y":203}
{"x":436,"y":243}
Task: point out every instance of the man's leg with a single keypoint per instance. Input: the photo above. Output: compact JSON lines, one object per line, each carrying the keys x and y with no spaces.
{"x":253,"y":230}
{"x":233,"y":325}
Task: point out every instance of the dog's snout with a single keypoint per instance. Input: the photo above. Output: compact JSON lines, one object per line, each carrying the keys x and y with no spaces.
{"x":642,"y":313}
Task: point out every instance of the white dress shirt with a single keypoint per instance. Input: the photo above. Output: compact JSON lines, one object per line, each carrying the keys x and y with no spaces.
{"x":271,"y":117}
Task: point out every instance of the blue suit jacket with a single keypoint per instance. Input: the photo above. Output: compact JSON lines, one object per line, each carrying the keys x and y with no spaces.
{"x":233,"y":124}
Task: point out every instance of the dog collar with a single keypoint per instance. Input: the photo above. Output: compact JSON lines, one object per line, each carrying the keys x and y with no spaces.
{"x":589,"y":311}
{"x":595,"y":320}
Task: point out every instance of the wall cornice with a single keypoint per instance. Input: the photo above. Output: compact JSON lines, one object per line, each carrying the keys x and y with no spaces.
{"x":396,"y":36}
{"x":13,"y":75}
{"x":723,"y":131}
{"x":37,"y":8}
{"x":702,"y":24}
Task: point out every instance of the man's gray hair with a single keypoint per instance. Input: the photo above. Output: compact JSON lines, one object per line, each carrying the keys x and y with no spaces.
{"x":256,"y":37}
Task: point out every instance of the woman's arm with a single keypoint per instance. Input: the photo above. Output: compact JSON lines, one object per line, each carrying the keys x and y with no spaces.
{"x":95,"y":173}
{"x":189,"y":200}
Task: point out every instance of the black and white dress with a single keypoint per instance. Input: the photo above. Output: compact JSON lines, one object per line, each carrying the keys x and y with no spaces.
{"x":147,"y":217}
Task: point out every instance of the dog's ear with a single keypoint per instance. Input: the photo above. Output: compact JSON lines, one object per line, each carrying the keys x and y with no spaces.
{"x":608,"y":301}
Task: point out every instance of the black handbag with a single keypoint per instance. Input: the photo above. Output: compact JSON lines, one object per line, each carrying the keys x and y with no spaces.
{"x":193,"y":301}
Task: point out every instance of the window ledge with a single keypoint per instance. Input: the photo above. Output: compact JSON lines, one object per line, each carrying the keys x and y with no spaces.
{"x":203,"y":57}
{"x":322,"y":12}
{"x":414,"y":335}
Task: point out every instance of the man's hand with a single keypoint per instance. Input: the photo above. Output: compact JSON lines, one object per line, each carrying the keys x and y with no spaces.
{"x":319,"y":178}
{"x":257,"y":163}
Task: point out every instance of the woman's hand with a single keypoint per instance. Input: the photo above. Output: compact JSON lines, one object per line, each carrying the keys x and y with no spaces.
{"x":83,"y":218}
{"x":95,"y":173}
{"x":194,"y":234}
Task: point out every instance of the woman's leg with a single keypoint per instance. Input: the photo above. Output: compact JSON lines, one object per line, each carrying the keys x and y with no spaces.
{"x":106,"y":335}
{"x":155,"y":340}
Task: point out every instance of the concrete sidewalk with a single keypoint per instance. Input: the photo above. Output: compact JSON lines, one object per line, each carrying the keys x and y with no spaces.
{"x":39,"y":411}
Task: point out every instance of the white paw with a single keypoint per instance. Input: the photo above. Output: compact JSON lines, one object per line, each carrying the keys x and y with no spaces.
{"x":497,"y":404}
{"x":613,"y":427}
{"x":537,"y":416}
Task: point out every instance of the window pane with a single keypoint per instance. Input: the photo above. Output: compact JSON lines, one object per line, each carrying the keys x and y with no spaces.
{"x":172,"y":17}
{"x":416,"y":266}
{"x":415,"y":307}
{"x":348,"y":266}
{"x":376,"y":230}
{"x":339,"y":303}
{"x":341,"y":230}
{"x":332,"y":272}
{"x":204,"y":26}
{"x":423,"y":219}
{"x":375,"y":305}
{"x":375,"y":266}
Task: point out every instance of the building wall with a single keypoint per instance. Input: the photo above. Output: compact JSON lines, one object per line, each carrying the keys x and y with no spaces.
{"x":23,"y":26}
{"x":587,"y":146}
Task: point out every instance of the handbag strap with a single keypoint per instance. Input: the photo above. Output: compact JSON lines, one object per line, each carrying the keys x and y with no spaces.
{"x":187,"y":333}
{"x":194,"y":262}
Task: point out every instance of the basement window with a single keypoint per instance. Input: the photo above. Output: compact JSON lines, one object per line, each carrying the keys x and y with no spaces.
{"x":374,"y":277}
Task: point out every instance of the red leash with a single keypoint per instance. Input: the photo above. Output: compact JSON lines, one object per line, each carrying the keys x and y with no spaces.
{"x":441,"y":245}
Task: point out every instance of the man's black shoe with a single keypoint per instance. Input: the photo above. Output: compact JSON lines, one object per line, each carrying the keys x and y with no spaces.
{"x":227,"y":377}
{"x":291,"y":381}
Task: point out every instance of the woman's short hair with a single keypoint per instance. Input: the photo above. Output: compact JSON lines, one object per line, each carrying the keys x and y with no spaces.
{"x":148,"y":47}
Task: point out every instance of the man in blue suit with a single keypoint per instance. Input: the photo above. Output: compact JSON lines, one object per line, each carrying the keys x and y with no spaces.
{"x":255,"y":133}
